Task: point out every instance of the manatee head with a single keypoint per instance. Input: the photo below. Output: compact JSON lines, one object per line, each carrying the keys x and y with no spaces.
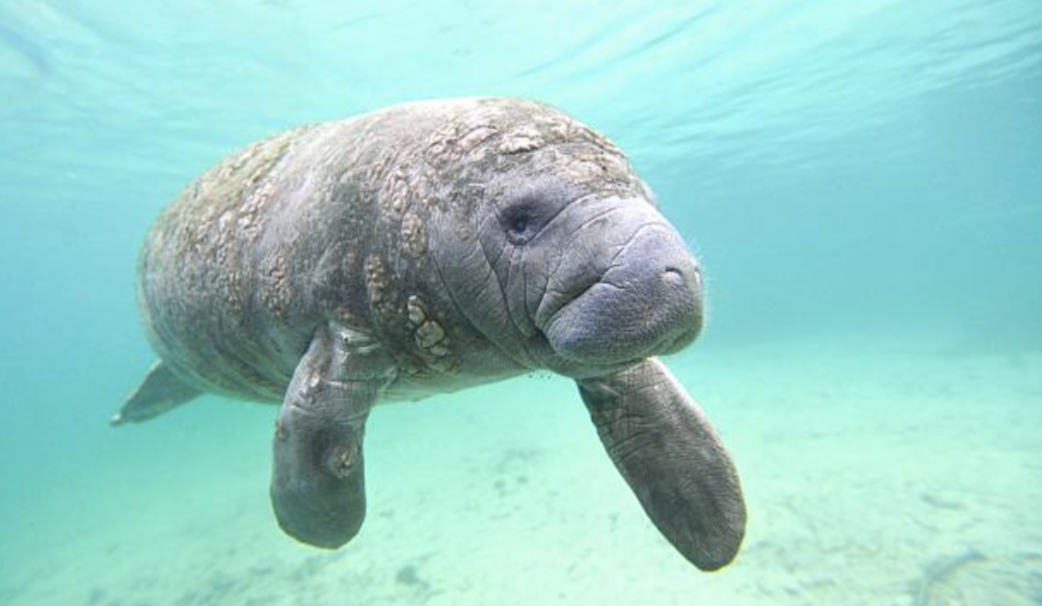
{"x":556,"y":250}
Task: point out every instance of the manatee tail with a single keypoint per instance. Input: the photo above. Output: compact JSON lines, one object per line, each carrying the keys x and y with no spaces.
{"x":161,"y":391}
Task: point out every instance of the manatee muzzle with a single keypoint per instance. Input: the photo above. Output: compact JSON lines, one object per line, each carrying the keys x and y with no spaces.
{"x":648,"y":302}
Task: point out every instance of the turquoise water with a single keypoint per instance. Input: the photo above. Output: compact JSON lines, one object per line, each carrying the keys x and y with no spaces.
{"x":863,"y":182}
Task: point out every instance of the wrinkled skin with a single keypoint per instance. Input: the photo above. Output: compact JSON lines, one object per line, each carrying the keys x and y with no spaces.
{"x":423,"y":249}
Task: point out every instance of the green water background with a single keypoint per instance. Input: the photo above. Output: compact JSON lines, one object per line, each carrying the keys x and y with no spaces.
{"x":865,"y":173}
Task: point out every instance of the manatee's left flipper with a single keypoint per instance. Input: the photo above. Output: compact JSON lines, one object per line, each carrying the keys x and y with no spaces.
{"x":318,"y":477}
{"x":672,"y":459}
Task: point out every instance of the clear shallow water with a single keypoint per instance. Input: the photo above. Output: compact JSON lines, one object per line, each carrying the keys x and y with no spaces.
{"x":863,"y":184}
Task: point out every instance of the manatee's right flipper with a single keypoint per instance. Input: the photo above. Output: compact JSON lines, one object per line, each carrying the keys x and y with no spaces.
{"x":161,"y":391}
{"x":318,"y":477}
{"x":672,"y":459}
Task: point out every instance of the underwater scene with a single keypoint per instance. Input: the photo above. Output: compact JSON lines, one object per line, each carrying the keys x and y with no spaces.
{"x":860,"y":182}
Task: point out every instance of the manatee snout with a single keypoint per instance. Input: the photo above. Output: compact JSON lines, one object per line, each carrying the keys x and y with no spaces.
{"x":642,"y":297}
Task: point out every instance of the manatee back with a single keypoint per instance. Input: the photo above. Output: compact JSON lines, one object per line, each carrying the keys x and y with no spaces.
{"x":320,"y":223}
{"x":231,"y":276}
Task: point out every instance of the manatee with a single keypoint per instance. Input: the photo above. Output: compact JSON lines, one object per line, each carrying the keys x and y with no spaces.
{"x":422,"y":249}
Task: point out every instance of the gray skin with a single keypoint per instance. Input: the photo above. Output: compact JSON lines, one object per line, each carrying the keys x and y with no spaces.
{"x":423,"y":249}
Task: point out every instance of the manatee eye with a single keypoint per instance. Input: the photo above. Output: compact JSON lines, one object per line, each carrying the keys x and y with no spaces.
{"x":524,"y":214}
{"x":521,"y":222}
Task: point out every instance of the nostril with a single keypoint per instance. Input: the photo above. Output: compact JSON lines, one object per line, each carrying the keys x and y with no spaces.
{"x":673,"y":276}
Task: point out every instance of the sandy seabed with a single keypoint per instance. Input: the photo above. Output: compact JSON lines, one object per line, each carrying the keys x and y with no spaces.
{"x":875,"y":473}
